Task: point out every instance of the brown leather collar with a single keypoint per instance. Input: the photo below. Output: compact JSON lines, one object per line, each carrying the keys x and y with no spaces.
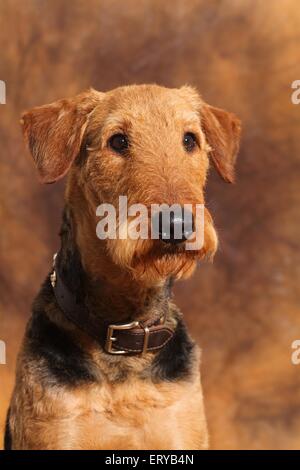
{"x":121,"y":338}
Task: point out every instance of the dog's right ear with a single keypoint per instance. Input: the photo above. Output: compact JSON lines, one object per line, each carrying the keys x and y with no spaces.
{"x":54,"y":133}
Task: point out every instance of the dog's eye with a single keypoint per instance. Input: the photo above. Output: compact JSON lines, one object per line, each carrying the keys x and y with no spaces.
{"x":119,"y":143}
{"x":189,"y":141}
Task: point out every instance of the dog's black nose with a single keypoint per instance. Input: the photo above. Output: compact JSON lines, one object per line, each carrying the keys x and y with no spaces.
{"x":173,"y":227}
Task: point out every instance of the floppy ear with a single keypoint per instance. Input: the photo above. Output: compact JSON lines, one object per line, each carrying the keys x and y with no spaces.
{"x":54,"y":133}
{"x":222,"y":131}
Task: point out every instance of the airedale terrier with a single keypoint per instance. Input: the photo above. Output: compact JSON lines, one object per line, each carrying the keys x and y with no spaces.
{"x":107,"y":362}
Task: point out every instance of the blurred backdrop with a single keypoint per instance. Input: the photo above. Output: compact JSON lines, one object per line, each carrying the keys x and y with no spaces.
{"x":244,"y":310}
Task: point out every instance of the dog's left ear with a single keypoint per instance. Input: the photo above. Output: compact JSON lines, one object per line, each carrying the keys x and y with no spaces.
{"x":54,"y":133}
{"x":222,"y":131}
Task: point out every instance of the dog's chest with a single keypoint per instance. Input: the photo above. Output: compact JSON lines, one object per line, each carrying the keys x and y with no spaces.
{"x":136,"y":415}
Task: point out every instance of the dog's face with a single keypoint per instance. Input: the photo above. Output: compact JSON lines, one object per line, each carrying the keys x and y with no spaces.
{"x":147,"y":143}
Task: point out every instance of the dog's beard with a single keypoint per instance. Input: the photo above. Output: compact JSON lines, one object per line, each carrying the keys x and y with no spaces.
{"x":152,"y":260}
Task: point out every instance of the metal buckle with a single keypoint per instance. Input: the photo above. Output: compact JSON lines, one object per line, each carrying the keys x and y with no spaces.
{"x":110,"y":338}
{"x":53,"y":278}
{"x":53,"y":274}
{"x":146,"y":338}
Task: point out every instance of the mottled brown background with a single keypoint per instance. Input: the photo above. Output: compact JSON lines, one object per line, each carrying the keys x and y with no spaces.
{"x":243,"y":56}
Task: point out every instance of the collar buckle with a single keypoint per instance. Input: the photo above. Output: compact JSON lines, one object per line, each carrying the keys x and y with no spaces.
{"x":110,"y":338}
{"x":53,"y":274}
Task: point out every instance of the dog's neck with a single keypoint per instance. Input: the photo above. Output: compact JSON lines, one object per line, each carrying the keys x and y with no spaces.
{"x":109,"y":291}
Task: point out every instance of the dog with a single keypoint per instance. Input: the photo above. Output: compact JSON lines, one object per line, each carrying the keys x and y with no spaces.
{"x":107,"y":362}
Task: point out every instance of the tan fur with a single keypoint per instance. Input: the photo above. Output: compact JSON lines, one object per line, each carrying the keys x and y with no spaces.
{"x":136,"y":413}
{"x":131,"y":415}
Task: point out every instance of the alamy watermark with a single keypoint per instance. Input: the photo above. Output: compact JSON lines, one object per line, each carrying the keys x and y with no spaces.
{"x":295,"y":357}
{"x":2,"y":352}
{"x":295,"y":97}
{"x":2,"y":92}
{"x":160,"y":221}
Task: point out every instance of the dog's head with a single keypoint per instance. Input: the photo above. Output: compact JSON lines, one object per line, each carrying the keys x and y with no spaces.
{"x":149,"y":144}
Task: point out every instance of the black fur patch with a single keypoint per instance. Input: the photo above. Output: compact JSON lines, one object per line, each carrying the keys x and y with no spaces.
{"x":175,"y":360}
{"x":68,"y":259}
{"x":7,"y":435}
{"x":58,"y":359}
